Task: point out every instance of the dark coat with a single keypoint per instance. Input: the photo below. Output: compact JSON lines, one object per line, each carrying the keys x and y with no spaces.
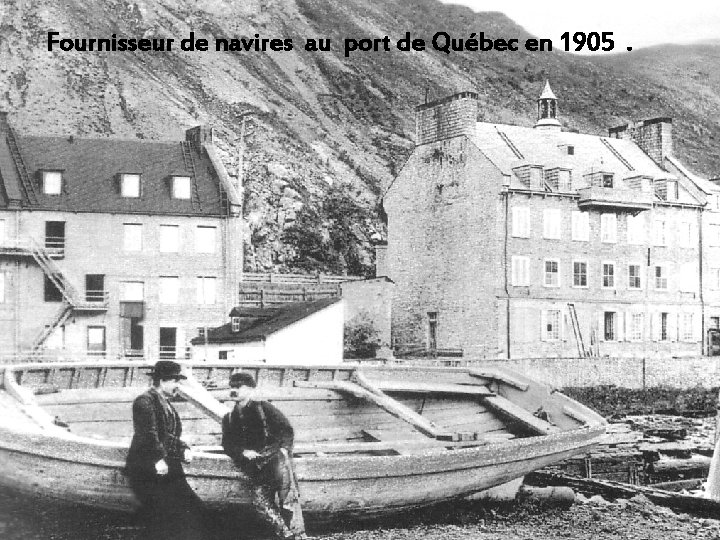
{"x":156,"y":436}
{"x":258,"y":426}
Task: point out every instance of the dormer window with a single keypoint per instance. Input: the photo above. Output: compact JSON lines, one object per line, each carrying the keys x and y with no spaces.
{"x":235,"y":324}
{"x":181,"y":187}
{"x":52,"y":182}
{"x":607,"y":180}
{"x":130,"y":185}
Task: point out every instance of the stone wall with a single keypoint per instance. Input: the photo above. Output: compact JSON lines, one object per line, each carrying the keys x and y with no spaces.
{"x":450,"y":117}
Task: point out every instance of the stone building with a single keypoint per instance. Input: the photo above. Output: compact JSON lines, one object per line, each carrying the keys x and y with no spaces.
{"x":509,"y":241}
{"x":114,"y":248}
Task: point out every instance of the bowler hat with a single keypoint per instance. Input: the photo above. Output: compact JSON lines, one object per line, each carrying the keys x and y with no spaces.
{"x":242,"y":378}
{"x":167,"y":369}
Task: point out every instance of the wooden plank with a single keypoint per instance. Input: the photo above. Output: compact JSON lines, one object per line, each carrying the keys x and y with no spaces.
{"x":433,"y":388}
{"x":28,"y":404}
{"x":517,"y":413}
{"x":392,"y":406}
{"x":500,"y":376}
{"x":192,"y":390}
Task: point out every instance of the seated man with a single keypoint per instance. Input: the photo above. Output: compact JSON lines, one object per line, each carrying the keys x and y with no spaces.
{"x":259,"y":439}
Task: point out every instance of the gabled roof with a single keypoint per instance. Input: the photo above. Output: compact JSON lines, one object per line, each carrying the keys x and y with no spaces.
{"x":256,"y":324}
{"x":510,"y":146}
{"x":90,"y":169}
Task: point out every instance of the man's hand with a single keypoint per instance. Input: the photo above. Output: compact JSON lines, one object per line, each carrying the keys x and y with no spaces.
{"x":250,"y":454}
{"x":188,"y":455}
{"x":161,"y":467}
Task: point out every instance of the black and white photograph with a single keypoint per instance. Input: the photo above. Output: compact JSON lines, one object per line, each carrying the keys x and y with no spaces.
{"x":359,"y":270}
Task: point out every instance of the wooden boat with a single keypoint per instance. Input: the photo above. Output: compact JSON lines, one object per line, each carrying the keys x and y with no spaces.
{"x":369,"y":441}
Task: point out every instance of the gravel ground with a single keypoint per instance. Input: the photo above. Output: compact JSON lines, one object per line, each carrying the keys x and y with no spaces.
{"x":637,"y":519}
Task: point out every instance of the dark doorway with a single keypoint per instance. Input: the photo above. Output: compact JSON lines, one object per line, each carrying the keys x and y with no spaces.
{"x":94,"y":288}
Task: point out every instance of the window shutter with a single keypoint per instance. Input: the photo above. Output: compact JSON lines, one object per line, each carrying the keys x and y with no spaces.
{"x":543,"y":325}
{"x":515,"y":262}
{"x":620,"y":326}
{"x":515,"y":221}
{"x":601,"y":326}
{"x":563,"y":325}
{"x":655,"y":324}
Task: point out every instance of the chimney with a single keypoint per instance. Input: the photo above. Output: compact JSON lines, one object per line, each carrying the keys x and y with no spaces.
{"x":446,"y":118}
{"x":200,"y":135}
{"x":4,"y":125}
{"x":653,"y":136}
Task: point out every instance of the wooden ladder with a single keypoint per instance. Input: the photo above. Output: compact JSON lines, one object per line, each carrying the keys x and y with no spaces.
{"x":187,"y":151}
{"x":25,"y":180}
{"x":582,"y":351}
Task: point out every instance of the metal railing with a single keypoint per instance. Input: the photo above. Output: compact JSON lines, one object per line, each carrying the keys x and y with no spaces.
{"x":55,"y":246}
{"x":297,"y":278}
{"x":97,"y":296}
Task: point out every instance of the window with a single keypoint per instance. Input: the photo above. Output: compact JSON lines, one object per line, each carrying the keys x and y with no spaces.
{"x":202,"y":332}
{"x":715,"y":323}
{"x":580,"y":226}
{"x":51,"y":291}
{"x":660,"y":278}
{"x":607,"y":180}
{"x":637,"y":320}
{"x":634,"y":280}
{"x":688,"y":277}
{"x":551,"y":223}
{"x":181,"y":187}
{"x":235,"y":323}
{"x":205,"y":239}
{"x":520,"y":271}
{"x":685,"y":234}
{"x":609,"y":325}
{"x":169,"y":290}
{"x":130,"y":185}
{"x":608,"y":228}
{"x":223,"y":355}
{"x":580,"y":274}
{"x":660,"y":228}
{"x":664,"y":335}
{"x":95,"y":288}
{"x":713,"y":235}
{"x":552,"y":273}
{"x":55,"y":236}
{"x":432,"y":330}
{"x":521,"y":222}
{"x":636,"y":229}
{"x":551,"y":325}
{"x":570,"y":150}
{"x":52,"y":182}
{"x":608,"y":275}
{"x":206,"y":290}
{"x":169,"y":238}
{"x":132,"y":236}
{"x":96,"y":339}
{"x":132,"y":291}
{"x":687,"y":327}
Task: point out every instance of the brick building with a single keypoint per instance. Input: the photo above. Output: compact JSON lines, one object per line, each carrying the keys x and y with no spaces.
{"x":509,"y":241}
{"x":113,"y":247}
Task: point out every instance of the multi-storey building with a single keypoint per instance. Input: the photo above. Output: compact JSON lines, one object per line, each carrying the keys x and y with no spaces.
{"x":508,"y":241}
{"x":114,"y":247}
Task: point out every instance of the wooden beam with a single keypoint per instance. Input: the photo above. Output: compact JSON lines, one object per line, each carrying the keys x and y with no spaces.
{"x":435,"y":388}
{"x":517,"y":413}
{"x":29,"y":404}
{"x":196,"y":393}
{"x":383,"y":401}
{"x":497,"y":375}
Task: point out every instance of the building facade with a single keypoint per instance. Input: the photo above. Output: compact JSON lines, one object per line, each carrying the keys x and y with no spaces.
{"x":509,"y":241}
{"x":114,"y":248}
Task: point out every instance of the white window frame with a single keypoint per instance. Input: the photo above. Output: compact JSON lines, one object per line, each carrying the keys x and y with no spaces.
{"x":639,"y":276}
{"x":550,"y":331}
{"x":52,"y":182}
{"x":169,"y":238}
{"x":608,"y":228}
{"x":130,"y":185}
{"x":556,"y":274}
{"x":663,"y":277}
{"x":181,"y":187}
{"x":552,"y":223}
{"x":203,"y":244}
{"x":660,"y":234}
{"x":580,"y":225}
{"x":235,"y":324}
{"x":169,"y":290}
{"x":206,"y":290}
{"x":132,"y":291}
{"x":587,"y":277}
{"x":688,"y":281}
{"x":636,"y":229}
{"x":685,"y":234}
{"x":612,"y":264}
{"x":636,"y":326}
{"x":132,"y":236}
{"x":687,"y":332}
{"x":520,"y":271}
{"x":521,"y":222}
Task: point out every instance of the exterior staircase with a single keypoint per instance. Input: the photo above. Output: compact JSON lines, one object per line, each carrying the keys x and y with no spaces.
{"x":187,"y":150}
{"x":25,"y":181}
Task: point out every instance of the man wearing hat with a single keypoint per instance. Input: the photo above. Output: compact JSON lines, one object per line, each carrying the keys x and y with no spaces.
{"x":170,"y":507}
{"x":259,"y":439}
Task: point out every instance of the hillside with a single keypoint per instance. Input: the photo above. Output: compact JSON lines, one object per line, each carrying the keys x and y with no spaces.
{"x":323,"y":132}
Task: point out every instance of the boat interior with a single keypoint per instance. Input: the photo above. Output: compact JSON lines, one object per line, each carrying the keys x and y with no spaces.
{"x":332,"y":409}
